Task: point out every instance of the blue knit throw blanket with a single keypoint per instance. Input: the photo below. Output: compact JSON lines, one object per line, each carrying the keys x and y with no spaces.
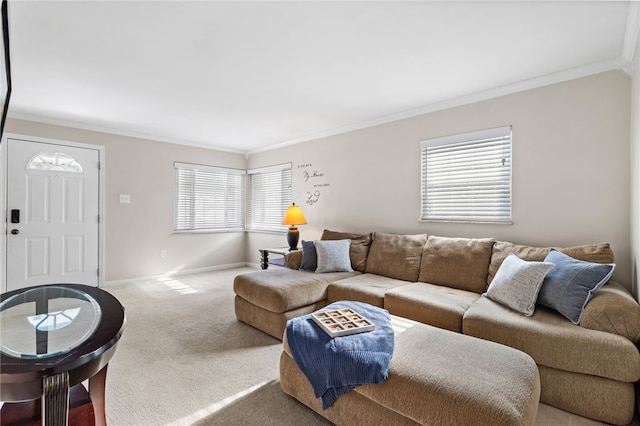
{"x":334,"y":366}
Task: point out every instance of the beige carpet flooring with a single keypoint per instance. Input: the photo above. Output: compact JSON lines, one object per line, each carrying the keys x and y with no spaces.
{"x":184,"y":359}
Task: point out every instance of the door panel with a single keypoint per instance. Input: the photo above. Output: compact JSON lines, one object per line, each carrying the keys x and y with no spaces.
{"x":37,"y":202}
{"x":73,"y":254}
{"x":73,"y":201}
{"x":56,"y":189}
{"x":37,"y":257}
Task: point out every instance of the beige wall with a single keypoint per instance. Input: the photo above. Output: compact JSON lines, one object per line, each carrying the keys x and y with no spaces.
{"x":136,"y":232}
{"x":571,"y":170}
{"x":571,"y":179}
{"x":635,"y":171}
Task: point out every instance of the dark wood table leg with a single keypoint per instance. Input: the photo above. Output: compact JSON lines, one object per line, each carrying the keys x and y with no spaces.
{"x":97,"y":386}
{"x":264,"y":259}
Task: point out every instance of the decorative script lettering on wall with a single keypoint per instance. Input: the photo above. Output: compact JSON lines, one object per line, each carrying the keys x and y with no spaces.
{"x":314,"y":183}
{"x":312,"y":175}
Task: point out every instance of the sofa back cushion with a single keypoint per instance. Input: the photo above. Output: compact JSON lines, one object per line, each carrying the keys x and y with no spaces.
{"x":396,"y":256}
{"x":461,"y":263}
{"x":293,"y":259}
{"x":359,"y":249}
{"x":596,"y":253}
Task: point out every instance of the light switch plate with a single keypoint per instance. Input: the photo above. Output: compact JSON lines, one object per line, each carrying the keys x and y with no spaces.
{"x":125,"y":198}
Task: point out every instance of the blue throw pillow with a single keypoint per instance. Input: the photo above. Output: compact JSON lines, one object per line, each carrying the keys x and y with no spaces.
{"x":572,"y":283}
{"x":309,"y":256}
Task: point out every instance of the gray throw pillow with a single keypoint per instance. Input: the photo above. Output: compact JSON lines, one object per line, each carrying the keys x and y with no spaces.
{"x":517,"y":283}
{"x":572,"y":283}
{"x":333,"y":256}
{"x":309,"y":260}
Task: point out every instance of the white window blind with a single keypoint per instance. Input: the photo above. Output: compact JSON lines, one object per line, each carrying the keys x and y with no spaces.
{"x":467,"y":177}
{"x":269,"y":197}
{"x":208,"y":198}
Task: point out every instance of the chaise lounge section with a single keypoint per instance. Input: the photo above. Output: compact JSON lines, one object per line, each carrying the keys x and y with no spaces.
{"x":435,"y":378}
{"x":587,"y":369}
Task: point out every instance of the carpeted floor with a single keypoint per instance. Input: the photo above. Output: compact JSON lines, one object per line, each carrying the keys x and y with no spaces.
{"x":184,"y":359}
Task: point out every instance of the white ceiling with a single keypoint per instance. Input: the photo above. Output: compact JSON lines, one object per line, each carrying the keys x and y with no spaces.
{"x":247,"y":76}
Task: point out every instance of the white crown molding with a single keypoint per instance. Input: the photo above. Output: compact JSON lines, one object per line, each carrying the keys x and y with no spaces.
{"x":620,"y":63}
{"x":112,"y":131}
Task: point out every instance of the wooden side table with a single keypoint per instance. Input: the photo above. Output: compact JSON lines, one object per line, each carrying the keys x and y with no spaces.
{"x":264,"y":256}
{"x":43,"y":359}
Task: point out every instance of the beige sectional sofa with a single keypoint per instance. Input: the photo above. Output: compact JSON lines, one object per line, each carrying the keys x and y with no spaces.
{"x":588,"y":369}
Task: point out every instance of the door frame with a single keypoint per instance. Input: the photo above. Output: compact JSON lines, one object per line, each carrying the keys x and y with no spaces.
{"x":3,"y":199}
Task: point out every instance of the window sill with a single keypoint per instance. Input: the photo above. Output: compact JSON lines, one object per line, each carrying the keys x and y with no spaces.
{"x":208,"y":231}
{"x":265,"y":231}
{"x":471,"y":222}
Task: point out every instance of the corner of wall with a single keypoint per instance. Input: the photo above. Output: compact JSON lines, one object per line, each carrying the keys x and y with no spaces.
{"x":635,"y":168}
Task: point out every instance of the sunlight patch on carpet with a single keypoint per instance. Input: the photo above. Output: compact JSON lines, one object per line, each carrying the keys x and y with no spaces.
{"x":400,"y":324}
{"x":177,"y":285}
{"x":206,"y":412}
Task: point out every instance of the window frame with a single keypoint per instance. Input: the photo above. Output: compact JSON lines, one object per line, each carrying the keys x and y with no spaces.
{"x":224,"y":225}
{"x":478,"y":146}
{"x":277,"y":211}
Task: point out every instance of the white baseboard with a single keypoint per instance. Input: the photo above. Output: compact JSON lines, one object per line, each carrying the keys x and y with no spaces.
{"x":185,"y":272}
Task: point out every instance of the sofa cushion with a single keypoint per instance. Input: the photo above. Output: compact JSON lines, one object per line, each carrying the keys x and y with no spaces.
{"x":517,"y":283}
{"x":368,"y":288}
{"x":293,"y":259}
{"x":597,"y":253}
{"x":333,"y":256}
{"x":309,"y":261}
{"x":501,"y":250}
{"x":359,"y":249}
{"x":442,"y":259}
{"x":431,"y":304}
{"x":572,"y":283}
{"x":284,"y":289}
{"x":438,"y":377}
{"x":272,"y":323}
{"x":553,"y":341}
{"x":614,"y":310}
{"x":396,"y":256}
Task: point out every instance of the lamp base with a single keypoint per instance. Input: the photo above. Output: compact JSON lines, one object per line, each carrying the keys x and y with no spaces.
{"x":293,"y":236}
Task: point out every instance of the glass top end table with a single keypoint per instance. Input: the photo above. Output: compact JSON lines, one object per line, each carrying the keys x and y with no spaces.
{"x":47,"y":321}
{"x":53,"y":337}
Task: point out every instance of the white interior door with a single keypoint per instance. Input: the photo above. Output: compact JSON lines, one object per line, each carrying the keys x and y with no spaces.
{"x":52,"y":214}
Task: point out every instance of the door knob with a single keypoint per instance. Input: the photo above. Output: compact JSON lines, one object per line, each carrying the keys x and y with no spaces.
{"x":15,"y":232}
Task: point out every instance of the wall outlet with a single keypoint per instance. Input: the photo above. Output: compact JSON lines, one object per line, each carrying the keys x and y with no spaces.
{"x":125,"y":199}
{"x":163,"y":253}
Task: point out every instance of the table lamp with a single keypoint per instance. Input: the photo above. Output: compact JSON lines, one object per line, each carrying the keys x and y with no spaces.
{"x":293,"y":217}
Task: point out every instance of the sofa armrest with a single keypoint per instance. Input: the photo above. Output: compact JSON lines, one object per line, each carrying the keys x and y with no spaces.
{"x":614,"y":310}
{"x":293,"y":259}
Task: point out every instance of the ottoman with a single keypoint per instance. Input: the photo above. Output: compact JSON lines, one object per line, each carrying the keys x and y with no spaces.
{"x":267,"y":299}
{"x":436,"y":377}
